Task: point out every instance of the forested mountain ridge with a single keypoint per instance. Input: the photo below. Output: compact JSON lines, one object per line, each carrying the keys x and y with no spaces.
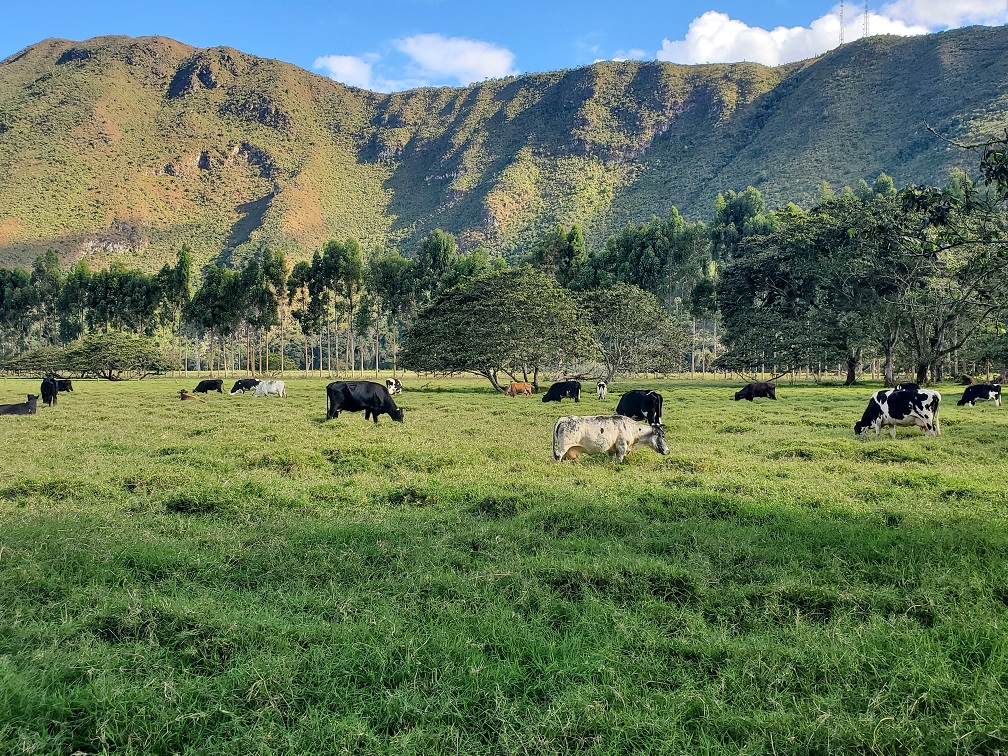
{"x":125,"y":149}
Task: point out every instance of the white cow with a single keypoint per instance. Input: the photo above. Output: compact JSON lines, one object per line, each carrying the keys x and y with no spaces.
{"x":901,"y":406}
{"x":271,"y":387}
{"x":614,"y":435}
{"x":602,"y":388}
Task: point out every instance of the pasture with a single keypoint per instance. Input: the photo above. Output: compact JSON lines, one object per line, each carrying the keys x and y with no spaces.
{"x":241,"y":576}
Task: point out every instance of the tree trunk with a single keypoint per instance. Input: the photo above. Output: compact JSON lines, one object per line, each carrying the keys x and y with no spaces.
{"x":853,"y":361}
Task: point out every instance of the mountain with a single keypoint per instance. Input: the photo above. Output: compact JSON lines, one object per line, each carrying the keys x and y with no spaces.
{"x":124,"y":149}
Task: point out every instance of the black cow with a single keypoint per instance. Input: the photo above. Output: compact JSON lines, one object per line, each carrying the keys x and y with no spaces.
{"x":906,"y":387}
{"x":563,"y":390}
{"x":63,"y":384}
{"x":210,"y":384}
{"x":641,"y":405}
{"x":244,"y":384}
{"x":354,"y":396}
{"x":981,"y":392}
{"x":49,"y":391}
{"x":27,"y":408}
{"x":755,"y":390}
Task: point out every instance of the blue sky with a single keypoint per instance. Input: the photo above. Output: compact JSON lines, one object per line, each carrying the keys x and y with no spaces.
{"x":389,"y":45}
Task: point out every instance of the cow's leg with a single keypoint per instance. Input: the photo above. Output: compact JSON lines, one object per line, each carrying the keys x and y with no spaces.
{"x":892,"y":432}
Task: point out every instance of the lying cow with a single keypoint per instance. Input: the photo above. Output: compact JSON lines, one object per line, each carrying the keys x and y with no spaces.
{"x":981,"y":392}
{"x":49,"y":391}
{"x":895,"y":407}
{"x":602,"y":389}
{"x":516,"y":389}
{"x":641,"y":405}
{"x":210,"y":384}
{"x":185,"y":395}
{"x":266,"y":388}
{"x":25,"y":408}
{"x":756,"y":390}
{"x":614,"y":435}
{"x":563,"y":390}
{"x":354,"y":396}
{"x":244,"y":384}
{"x":394,"y":386}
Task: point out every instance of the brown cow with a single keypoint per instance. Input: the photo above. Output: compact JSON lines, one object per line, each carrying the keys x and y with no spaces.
{"x":184,"y":395}
{"x":525,"y":389}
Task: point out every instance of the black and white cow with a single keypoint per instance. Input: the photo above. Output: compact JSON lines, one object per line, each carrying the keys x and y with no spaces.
{"x":244,"y":384}
{"x":614,"y":435}
{"x":895,"y":407}
{"x":25,"y":408}
{"x":563,"y":390}
{"x":981,"y":392}
{"x":49,"y":391}
{"x":641,"y":405}
{"x":602,"y":389}
{"x":394,"y":386}
{"x":210,"y":384}
{"x":756,"y":390}
{"x":354,"y":396}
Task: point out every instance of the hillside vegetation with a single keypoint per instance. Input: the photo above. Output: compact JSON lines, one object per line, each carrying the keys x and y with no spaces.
{"x":125,"y":149}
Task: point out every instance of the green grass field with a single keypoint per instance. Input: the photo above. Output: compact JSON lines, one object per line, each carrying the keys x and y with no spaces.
{"x":243,"y":577}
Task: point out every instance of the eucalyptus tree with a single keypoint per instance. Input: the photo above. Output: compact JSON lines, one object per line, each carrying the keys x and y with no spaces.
{"x":392,"y":282}
{"x":436,"y":255}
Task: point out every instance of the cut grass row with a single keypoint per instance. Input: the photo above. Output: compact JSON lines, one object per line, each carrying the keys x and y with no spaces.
{"x":242,"y":576}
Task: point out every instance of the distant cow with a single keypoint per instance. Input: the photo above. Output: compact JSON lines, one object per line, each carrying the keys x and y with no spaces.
{"x":63,"y":384}
{"x":244,"y":384}
{"x":563,"y":390}
{"x":26,"y":408}
{"x":756,"y":390}
{"x":184,"y":395}
{"x":276,"y":388}
{"x":641,"y":405}
{"x":894,"y":407}
{"x":614,"y":435}
{"x":981,"y":392}
{"x":49,"y":391}
{"x":354,"y":396}
{"x":601,"y":388}
{"x":906,"y":387}
{"x":394,"y":386}
{"x":210,"y":384}
{"x":524,"y":389}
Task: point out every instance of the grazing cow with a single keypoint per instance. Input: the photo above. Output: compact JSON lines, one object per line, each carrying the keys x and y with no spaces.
{"x":244,"y":384}
{"x":614,"y":435}
{"x":184,"y":395}
{"x":266,"y":388}
{"x":524,"y":389}
{"x":49,"y":391}
{"x":354,"y":396}
{"x":901,"y":407}
{"x":755,"y":390}
{"x":563,"y":389}
{"x":394,"y":386}
{"x":981,"y":392}
{"x":602,"y":389}
{"x":641,"y":405}
{"x":210,"y":384}
{"x":63,"y":384}
{"x":26,"y":408}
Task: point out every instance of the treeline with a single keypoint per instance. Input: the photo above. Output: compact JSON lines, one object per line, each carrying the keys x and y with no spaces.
{"x":912,"y":280}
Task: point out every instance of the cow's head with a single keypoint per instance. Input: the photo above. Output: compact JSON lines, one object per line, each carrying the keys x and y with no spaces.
{"x":658,"y":439}
{"x":740,"y":394}
{"x":397,"y":414}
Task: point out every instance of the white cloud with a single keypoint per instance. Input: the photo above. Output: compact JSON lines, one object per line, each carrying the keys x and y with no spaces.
{"x":348,"y":69}
{"x":717,"y":38}
{"x":429,"y":59}
{"x":464,"y":60}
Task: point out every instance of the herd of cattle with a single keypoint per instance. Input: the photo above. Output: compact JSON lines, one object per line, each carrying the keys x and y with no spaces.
{"x":616,"y":435}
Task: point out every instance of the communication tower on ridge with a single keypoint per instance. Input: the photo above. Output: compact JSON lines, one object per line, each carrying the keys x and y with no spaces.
{"x":841,"y":23}
{"x":865,"y":19}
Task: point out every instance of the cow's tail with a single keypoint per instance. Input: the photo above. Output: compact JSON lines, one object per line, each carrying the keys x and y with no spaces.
{"x":328,"y":404}
{"x":937,"y":424}
{"x":556,"y":441}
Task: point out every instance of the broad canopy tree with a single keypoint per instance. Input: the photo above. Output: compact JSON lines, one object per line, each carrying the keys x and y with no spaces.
{"x":518,"y":322}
